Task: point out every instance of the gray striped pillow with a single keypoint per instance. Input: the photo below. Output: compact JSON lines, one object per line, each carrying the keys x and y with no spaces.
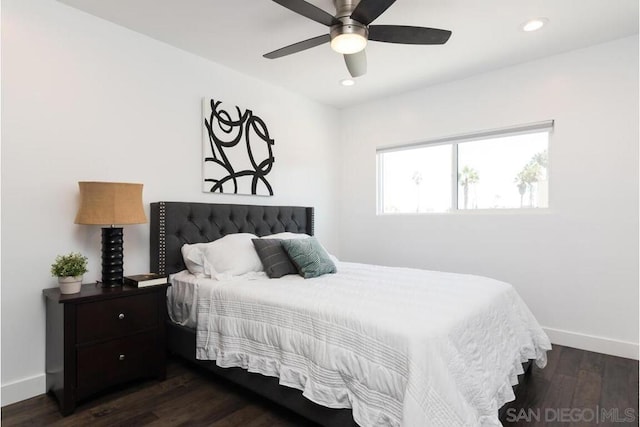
{"x":274,"y":259}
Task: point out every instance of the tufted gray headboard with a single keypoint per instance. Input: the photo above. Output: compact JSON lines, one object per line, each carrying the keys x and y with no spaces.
{"x":175,"y":223}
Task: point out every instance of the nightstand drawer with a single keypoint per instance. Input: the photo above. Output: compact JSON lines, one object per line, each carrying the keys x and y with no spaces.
{"x":116,"y":361}
{"x":116,"y":317}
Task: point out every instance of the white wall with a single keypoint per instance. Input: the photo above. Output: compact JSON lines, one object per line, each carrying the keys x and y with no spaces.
{"x":83,"y":99}
{"x":576,"y":265}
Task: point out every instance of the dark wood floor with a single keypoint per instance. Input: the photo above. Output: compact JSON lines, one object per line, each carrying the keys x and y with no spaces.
{"x":577,"y":388}
{"x":574,"y":380}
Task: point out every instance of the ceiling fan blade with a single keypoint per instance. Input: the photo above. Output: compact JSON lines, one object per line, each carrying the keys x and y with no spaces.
{"x":408,"y":35}
{"x":368,"y":10}
{"x":308,"y":10}
{"x":356,"y":63}
{"x":298,"y":47}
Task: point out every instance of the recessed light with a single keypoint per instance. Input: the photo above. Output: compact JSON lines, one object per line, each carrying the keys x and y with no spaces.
{"x":347,"y":82}
{"x":534,"y":24}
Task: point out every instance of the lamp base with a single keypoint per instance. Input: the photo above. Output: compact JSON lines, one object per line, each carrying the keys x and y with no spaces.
{"x":112,"y":258}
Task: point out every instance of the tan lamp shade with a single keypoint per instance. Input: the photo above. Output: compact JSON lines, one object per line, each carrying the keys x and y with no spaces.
{"x":110,"y":203}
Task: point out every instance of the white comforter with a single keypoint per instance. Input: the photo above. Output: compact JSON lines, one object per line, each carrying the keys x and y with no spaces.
{"x":402,"y":347}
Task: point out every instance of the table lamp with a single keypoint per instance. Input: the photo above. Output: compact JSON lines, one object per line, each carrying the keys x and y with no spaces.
{"x":111,"y":204}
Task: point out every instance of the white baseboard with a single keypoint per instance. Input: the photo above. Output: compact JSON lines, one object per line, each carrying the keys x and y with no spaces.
{"x":25,"y":388}
{"x":593,"y":343}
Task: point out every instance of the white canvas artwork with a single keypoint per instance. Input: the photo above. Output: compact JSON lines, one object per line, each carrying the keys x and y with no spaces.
{"x":237,"y":150}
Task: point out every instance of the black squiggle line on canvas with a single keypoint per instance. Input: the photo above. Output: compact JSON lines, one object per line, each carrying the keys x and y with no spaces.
{"x":235,"y":130}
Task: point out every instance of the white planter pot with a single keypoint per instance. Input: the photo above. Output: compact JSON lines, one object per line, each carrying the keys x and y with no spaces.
{"x":70,"y":284}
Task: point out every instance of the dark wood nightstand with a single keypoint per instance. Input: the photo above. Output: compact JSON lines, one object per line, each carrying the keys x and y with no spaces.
{"x":101,"y":337}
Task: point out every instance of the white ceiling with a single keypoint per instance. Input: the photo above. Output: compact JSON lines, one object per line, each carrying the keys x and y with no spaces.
{"x":486,"y":36}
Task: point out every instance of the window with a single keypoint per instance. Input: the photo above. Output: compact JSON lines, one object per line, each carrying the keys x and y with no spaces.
{"x":501,"y":169}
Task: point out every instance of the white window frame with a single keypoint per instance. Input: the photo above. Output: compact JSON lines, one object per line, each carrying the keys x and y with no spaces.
{"x":546,"y":125}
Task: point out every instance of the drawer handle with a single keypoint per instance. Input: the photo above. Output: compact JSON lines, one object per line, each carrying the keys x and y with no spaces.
{"x":121,"y":357}
{"x":121,"y":316}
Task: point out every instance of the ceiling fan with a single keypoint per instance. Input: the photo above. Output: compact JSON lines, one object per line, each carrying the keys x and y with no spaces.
{"x":349,"y":30}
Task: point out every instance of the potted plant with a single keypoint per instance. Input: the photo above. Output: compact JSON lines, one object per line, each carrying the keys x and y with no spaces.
{"x":69,"y":270}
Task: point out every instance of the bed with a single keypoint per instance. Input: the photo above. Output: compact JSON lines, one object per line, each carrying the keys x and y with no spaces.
{"x":427,"y":359}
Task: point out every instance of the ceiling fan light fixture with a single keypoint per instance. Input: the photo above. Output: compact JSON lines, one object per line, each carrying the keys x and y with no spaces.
{"x":347,"y":82}
{"x":348,"y":38}
{"x":348,"y":43}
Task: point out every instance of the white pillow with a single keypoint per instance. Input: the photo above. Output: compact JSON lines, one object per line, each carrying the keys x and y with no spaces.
{"x":234,"y":255}
{"x":193,"y":257}
{"x":286,"y":235}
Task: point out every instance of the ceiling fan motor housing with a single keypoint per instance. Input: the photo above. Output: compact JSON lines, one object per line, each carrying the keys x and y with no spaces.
{"x":347,"y":26}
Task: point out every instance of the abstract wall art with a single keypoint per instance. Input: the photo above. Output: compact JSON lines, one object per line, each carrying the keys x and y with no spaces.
{"x":237,"y":150}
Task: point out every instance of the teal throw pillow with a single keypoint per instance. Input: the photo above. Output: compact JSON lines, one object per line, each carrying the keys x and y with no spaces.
{"x":309,"y":257}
